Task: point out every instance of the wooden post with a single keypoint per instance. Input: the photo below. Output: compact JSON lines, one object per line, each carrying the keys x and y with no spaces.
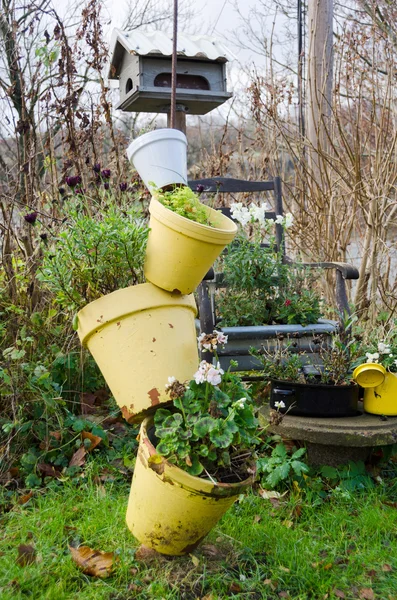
{"x":319,"y":79}
{"x":180,"y":119}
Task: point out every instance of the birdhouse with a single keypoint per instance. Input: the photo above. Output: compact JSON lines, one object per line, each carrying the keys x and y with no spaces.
{"x":141,"y":62}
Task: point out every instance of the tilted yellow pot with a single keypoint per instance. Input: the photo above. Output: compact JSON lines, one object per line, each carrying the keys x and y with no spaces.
{"x":382,"y":400}
{"x":179,"y":251}
{"x":139,"y":336}
{"x":170,"y":510}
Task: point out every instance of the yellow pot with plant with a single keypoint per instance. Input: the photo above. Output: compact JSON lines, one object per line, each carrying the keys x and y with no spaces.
{"x":193,"y":462}
{"x":137,"y":336}
{"x":185,"y":239}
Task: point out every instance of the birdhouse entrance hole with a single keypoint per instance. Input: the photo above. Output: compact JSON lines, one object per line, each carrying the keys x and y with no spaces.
{"x":187,"y":82}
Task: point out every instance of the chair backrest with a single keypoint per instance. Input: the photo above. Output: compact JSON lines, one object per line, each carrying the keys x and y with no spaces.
{"x":227,"y":185}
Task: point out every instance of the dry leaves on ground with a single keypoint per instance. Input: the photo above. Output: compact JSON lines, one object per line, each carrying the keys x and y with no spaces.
{"x":78,"y":458}
{"x":26,"y":555}
{"x":94,"y":439}
{"x":93,"y":562}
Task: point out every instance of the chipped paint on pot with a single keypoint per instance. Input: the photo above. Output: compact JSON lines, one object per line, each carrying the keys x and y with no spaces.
{"x":382,"y":400}
{"x":179,"y":251}
{"x":170,"y":510}
{"x":139,"y":336}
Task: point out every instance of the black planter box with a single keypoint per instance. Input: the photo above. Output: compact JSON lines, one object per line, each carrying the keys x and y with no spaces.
{"x":315,"y":399}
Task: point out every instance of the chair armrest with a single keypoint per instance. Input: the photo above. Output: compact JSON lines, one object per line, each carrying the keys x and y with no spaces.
{"x":347,"y":271}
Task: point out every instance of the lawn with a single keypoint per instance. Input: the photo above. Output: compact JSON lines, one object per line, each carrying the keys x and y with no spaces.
{"x":296,"y":547}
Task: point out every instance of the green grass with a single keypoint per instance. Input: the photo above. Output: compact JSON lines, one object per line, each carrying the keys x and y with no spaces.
{"x":295,"y":550}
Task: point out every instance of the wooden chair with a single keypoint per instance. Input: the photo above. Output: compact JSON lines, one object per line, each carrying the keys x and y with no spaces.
{"x":241,"y":339}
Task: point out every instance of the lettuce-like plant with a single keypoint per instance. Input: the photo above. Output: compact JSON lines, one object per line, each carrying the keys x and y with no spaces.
{"x":184,"y":202}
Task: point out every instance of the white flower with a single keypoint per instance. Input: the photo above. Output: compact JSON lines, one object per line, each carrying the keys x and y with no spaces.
{"x":258,"y":212}
{"x":171,"y":380}
{"x":279,"y":404}
{"x":279,"y":220}
{"x":284,"y":221}
{"x":395,"y":362}
{"x":207,"y":372}
{"x":240,"y":403}
{"x":390,"y":355}
{"x":372,"y":358}
{"x":221,"y":337}
{"x":240,"y":213}
{"x":384,"y":348}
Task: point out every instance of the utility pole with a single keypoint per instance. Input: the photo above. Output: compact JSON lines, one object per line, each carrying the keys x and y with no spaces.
{"x":319,"y":81}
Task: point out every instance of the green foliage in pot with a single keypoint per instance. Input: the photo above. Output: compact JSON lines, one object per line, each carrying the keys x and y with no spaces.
{"x":259,"y":288}
{"x":330,"y":364}
{"x":95,"y":255}
{"x":184,"y":202}
{"x":212,"y":428}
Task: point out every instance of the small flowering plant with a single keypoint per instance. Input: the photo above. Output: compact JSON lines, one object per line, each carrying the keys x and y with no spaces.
{"x":261,"y":288}
{"x":384,"y":353}
{"x":212,"y":428}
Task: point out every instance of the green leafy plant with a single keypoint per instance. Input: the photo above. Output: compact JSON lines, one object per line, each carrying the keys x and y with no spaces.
{"x":95,"y":255}
{"x":184,"y":202}
{"x":280,"y":465}
{"x":381,"y":352}
{"x":212,"y":428}
{"x":259,"y":287}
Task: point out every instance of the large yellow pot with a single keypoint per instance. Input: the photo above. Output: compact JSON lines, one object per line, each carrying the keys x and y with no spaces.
{"x":170,"y":510}
{"x":139,"y":336}
{"x":382,"y":400}
{"x":179,"y":251}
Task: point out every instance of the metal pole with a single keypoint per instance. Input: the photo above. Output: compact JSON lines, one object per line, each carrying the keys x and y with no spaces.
{"x":174,"y":57}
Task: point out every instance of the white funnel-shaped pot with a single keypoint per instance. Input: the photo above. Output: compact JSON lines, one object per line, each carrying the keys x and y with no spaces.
{"x":160,"y":157}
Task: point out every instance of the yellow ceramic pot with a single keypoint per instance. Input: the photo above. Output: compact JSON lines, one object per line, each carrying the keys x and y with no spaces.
{"x":139,"y":336}
{"x":179,"y":251}
{"x":170,"y":510}
{"x":382,"y":400}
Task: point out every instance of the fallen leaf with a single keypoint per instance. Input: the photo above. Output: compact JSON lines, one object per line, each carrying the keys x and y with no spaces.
{"x":257,"y":519}
{"x":94,"y":439}
{"x":372,"y":573}
{"x":145,"y":553}
{"x":297,"y":511}
{"x":208,"y":597}
{"x":25,"y":498}
{"x":283,"y":595}
{"x":49,"y":470}
{"x":195,"y":560}
{"x":366,"y":594}
{"x":284,"y":569}
{"x":78,"y":458}
{"x":235,"y":588}
{"x":26,"y":555}
{"x":328,"y":566}
{"x":269,"y":494}
{"x":339,"y":594}
{"x":56,"y":435}
{"x":93,"y":562}
{"x":133,"y":587}
{"x":387,"y":568}
{"x":315,"y":565}
{"x":210,"y":550}
{"x":288,"y":523}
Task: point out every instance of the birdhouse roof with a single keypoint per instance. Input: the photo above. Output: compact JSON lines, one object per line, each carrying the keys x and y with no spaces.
{"x":159,"y":43}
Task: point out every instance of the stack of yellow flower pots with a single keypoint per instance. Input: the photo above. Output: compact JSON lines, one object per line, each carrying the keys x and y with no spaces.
{"x":140,"y":336}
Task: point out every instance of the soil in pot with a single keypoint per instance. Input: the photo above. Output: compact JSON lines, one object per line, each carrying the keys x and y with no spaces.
{"x":314,"y":399}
